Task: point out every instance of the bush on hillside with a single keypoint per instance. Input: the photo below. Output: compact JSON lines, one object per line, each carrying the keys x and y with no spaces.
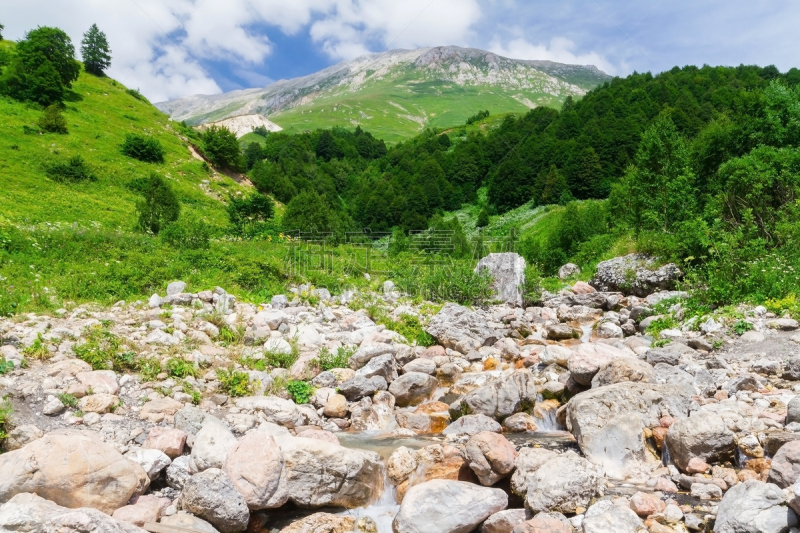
{"x":188,"y":232}
{"x":310,"y":212}
{"x":159,"y":206}
{"x":73,"y":171}
{"x":221,"y":146}
{"x":53,"y":120}
{"x":248,"y":214}
{"x":144,"y":148}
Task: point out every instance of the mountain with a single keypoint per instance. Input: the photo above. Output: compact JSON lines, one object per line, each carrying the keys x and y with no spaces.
{"x":397,"y":94}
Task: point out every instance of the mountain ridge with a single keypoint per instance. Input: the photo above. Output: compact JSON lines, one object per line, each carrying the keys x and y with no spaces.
{"x":463,"y":77}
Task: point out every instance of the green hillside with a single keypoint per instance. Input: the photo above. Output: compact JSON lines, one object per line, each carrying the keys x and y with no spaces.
{"x":99,"y":113}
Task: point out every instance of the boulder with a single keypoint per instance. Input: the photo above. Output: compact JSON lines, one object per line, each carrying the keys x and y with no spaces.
{"x":785,"y":467}
{"x":490,"y":456}
{"x":167,"y":440}
{"x":365,"y":354}
{"x":587,"y":359}
{"x":382,"y":365}
{"x":145,"y":509}
{"x":670,"y":354}
{"x":255,"y":467}
{"x":187,"y":521}
{"x":190,"y":419}
{"x":544,"y":523}
{"x":21,"y":436}
{"x":151,"y":461}
{"x":32,"y":513}
{"x":567,"y":270}
{"x":704,"y":436}
{"x":525,"y":467}
{"x":322,"y":523}
{"x":157,"y":410}
{"x":413,"y":388}
{"x":211,"y":445}
{"x":472,"y":425}
{"x":754,"y":507}
{"x":635,"y":274}
{"x":72,"y":469}
{"x":563,"y":484}
{"x":460,"y":329}
{"x":276,"y":410}
{"x":426,"y":366}
{"x":320,"y":473}
{"x":793,"y":410}
{"x":622,"y":369}
{"x":212,"y":496}
{"x":508,"y":275}
{"x":358,"y":387}
{"x":505,"y":521}
{"x":608,"y":422}
{"x":502,"y":398}
{"x":606,"y":517}
{"x":179,"y":472}
{"x":99,"y":381}
{"x":446,"y":506}
{"x":336,"y":406}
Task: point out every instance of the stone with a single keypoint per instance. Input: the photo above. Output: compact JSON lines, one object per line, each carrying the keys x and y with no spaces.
{"x":99,"y":381}
{"x":704,"y":435}
{"x":34,"y":514}
{"x":175,"y":288}
{"x":336,"y":406}
{"x":543,"y":523}
{"x":151,"y":461}
{"x":212,"y":496}
{"x":472,"y":425}
{"x":508,"y":275}
{"x":606,"y":517}
{"x":382,"y":365}
{"x":561,"y":332}
{"x":279,"y":301}
{"x":793,"y":410}
{"x":53,"y":406}
{"x":705,"y":491}
{"x":167,"y":440}
{"x":160,"y":408}
{"x":555,"y":354}
{"x":528,"y":462}
{"x":520,"y":423}
{"x":568,"y":270}
{"x":785,"y":468}
{"x":564,"y":484}
{"x":322,"y":523}
{"x":425,"y":366}
{"x":146,"y":509}
{"x":160,"y":337}
{"x":460,"y":329}
{"x":754,"y":507}
{"x":21,"y":436}
{"x":365,"y":354}
{"x":608,"y":422}
{"x":320,"y":473}
{"x":502,"y":398}
{"x":187,"y":521}
{"x":490,"y":456}
{"x":72,"y":469}
{"x":413,"y":388}
{"x":358,"y":387}
{"x":98,"y":403}
{"x":783,"y":324}
{"x":276,"y":410}
{"x":211,"y":445}
{"x":635,"y":274}
{"x":189,"y":419}
{"x":447,"y":506}
{"x":587,"y":359}
{"x":255,"y":467}
{"x":645,"y":504}
{"x":179,"y":472}
{"x":622,"y":369}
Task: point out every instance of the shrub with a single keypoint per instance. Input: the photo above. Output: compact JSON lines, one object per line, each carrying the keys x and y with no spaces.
{"x":100,"y":350}
{"x":53,"y":121}
{"x":5,"y":415}
{"x":136,"y":94}
{"x":327,"y":360}
{"x":143,"y":147}
{"x":249,"y":214}
{"x":38,"y":349}
{"x":73,"y":171}
{"x":222,"y":147}
{"x":188,"y":232}
{"x":6,"y":366}
{"x":68,"y":400}
{"x":234,"y":383}
{"x":300,"y":391}
{"x":742,"y":326}
{"x":159,"y":207}
{"x":280,"y":359}
{"x":178,"y":367}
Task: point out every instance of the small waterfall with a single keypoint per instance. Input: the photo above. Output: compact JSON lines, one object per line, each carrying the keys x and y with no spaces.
{"x":587,"y":333}
{"x":666,"y":460}
{"x":741,"y":458}
{"x":545,"y":416}
{"x":382,"y":509}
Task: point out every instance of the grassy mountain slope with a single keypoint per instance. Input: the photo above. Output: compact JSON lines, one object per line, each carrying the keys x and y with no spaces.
{"x":99,"y":114}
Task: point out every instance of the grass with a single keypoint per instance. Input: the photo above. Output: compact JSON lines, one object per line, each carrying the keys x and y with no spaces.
{"x":5,"y":415}
{"x":328,"y":360}
{"x":37,"y":349}
{"x":235,"y":383}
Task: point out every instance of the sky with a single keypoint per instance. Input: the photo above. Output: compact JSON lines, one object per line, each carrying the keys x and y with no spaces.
{"x":173,"y":48}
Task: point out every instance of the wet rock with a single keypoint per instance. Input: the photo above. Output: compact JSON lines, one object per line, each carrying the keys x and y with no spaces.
{"x":472,"y":425}
{"x":754,"y":507}
{"x":413,"y":388}
{"x":32,"y":513}
{"x":704,"y":436}
{"x":212,"y":496}
{"x":645,"y":504}
{"x":508,"y":275}
{"x":490,"y":456}
{"x":445,"y":506}
{"x":520,"y":423}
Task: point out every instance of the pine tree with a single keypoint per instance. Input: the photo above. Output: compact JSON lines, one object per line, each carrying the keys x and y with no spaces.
{"x":483,"y":218}
{"x":95,"y":51}
{"x":1,"y":31}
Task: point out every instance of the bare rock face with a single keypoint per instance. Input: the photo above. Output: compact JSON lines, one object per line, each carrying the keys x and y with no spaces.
{"x":73,"y":470}
{"x":446,"y":506}
{"x":329,"y":523}
{"x":635,"y":274}
{"x":785,"y":468}
{"x":508,"y":272}
{"x":502,"y":398}
{"x":702,"y":436}
{"x":29,"y":512}
{"x":212,"y":496}
{"x":212,"y":444}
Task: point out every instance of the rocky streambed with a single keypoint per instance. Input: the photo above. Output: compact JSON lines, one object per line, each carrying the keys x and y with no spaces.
{"x":564,"y":417}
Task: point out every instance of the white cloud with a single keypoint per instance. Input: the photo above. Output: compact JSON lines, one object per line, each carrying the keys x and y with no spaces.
{"x":560,"y":50}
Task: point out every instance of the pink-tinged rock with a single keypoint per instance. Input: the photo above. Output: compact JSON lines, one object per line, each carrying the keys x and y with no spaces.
{"x":255,"y":465}
{"x":543,"y":524}
{"x":646,"y":504}
{"x":433,"y":351}
{"x":156,"y":410}
{"x":696,"y":466}
{"x":581,"y":287}
{"x":491,"y":456}
{"x":319,"y":434}
{"x":145,"y":509}
{"x":99,"y":381}
{"x":666,"y":485}
{"x":168,"y":440}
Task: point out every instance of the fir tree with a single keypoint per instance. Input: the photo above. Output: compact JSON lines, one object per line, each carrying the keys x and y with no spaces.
{"x":95,"y":51}
{"x":159,"y":207}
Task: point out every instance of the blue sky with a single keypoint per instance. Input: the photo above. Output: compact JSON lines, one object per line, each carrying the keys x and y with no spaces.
{"x":173,"y":48}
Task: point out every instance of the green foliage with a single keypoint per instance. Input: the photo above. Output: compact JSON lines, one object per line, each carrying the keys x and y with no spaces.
{"x":660,"y":324}
{"x":160,"y":205}
{"x":483,"y":218}
{"x":253,"y":154}
{"x":37,"y":349}
{"x":328,"y":360}
{"x":95,"y":51}
{"x":742,"y":326}
{"x":189,"y":232}
{"x":221,"y":146}
{"x":75,"y":170}
{"x":248,"y":215}
{"x":300,"y":391}
{"x":234,"y":383}
{"x":103,"y":350}
{"x":143,"y":147}
{"x":5,"y":415}
{"x":177,"y":367}
{"x":136,"y":94}
{"x":408,"y":326}
{"x":454,"y":281}
{"x":53,"y":120}
{"x":281,"y":359}
{"x":6,"y":366}
{"x":68,"y":400}
{"x":478,"y":117}
{"x":308,"y":212}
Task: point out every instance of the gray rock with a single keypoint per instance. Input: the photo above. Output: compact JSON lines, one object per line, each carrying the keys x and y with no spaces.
{"x":382,"y":365}
{"x":178,"y":472}
{"x":358,"y":387}
{"x":635,"y":274}
{"x":175,"y":288}
{"x":785,"y":469}
{"x":528,"y":462}
{"x":151,"y":461}
{"x":22,"y":435}
{"x":364,"y":354}
{"x":563,"y":484}
{"x":413,"y":388}
{"x":508,"y":272}
{"x":190,"y":419}
{"x":187,"y":521}
{"x":472,"y":425}
{"x":154,"y":301}
{"x":705,"y":491}
{"x":793,"y":410}
{"x":447,"y":506}
{"x":703,"y":435}
{"x":34,"y":514}
{"x":783,"y":324}
{"x":212,"y":496}
{"x":502,"y":398}
{"x":211,"y":445}
{"x":669,"y":354}
{"x":621,"y":369}
{"x":460,"y":329}
{"x":608,"y":421}
{"x":570,"y":269}
{"x":606,"y":517}
{"x":279,"y":301}
{"x":754,"y":507}
{"x":426,"y":366}
{"x":276,"y":410}
{"x":505,"y":521}
{"x":560,"y":332}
